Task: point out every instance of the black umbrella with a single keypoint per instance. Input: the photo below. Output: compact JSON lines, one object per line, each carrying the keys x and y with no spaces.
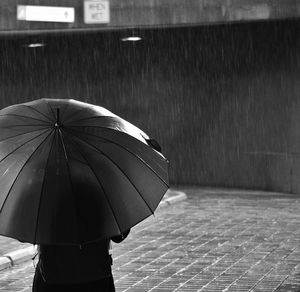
{"x":72,"y":172}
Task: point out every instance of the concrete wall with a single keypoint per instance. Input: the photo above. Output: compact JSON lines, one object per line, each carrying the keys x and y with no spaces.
{"x":222,"y":100}
{"x":120,"y":14}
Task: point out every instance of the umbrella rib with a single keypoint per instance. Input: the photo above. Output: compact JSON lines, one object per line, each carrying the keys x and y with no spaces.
{"x":38,"y":112}
{"x":104,"y":154}
{"x":22,"y":169}
{"x":76,"y":113}
{"x":7,"y":138}
{"x":126,"y":149}
{"x":90,"y":118}
{"x":23,"y":145}
{"x":15,"y":115}
{"x":70,"y":177}
{"x":27,"y":125}
{"x":101,"y":186}
{"x":40,"y":198}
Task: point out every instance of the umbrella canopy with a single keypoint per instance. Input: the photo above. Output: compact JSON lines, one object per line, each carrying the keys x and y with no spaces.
{"x":72,"y":172}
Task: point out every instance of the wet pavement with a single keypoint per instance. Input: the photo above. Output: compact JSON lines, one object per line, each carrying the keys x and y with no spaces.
{"x":215,"y":240}
{"x":8,"y":244}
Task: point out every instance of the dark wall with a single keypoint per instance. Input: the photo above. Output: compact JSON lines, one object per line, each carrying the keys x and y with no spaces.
{"x":222,"y":100}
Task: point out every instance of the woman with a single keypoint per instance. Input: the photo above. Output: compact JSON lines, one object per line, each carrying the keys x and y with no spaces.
{"x":63,"y":268}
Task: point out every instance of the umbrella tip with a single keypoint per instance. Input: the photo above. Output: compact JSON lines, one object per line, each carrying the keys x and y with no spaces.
{"x":57,"y":116}
{"x":57,"y":124}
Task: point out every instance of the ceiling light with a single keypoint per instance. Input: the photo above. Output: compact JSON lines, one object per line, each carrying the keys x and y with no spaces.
{"x":131,"y":39}
{"x":35,"y":45}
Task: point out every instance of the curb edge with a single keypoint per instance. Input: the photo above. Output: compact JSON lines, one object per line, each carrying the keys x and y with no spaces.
{"x":10,"y":259}
{"x":179,"y":196}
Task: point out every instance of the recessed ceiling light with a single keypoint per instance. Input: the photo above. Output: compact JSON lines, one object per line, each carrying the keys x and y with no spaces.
{"x":131,"y":39}
{"x":35,"y":45}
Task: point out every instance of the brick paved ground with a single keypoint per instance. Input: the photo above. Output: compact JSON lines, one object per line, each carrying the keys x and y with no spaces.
{"x":8,"y":244}
{"x":230,"y":242}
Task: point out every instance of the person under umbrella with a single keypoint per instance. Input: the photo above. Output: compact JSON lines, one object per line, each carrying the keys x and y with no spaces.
{"x":72,"y":177}
{"x":65,"y":268}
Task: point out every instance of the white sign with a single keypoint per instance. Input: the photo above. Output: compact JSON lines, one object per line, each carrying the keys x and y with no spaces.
{"x":45,"y":13}
{"x":96,"y":11}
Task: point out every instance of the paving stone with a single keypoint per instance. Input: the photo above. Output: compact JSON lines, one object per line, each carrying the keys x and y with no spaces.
{"x":214,"y":242}
{"x":288,"y":288}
